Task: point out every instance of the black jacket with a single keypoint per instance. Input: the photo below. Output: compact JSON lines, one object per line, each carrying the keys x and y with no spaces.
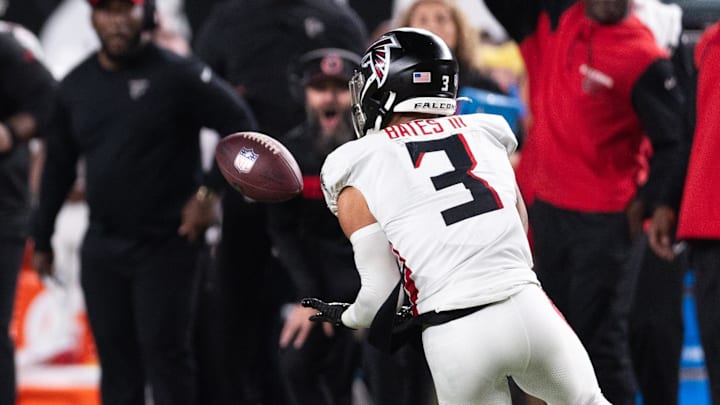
{"x":25,"y":87}
{"x":254,"y":43}
{"x":306,"y":236}
{"x":138,"y":131}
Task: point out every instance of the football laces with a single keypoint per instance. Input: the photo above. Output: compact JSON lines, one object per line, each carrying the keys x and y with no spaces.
{"x":267,"y":142}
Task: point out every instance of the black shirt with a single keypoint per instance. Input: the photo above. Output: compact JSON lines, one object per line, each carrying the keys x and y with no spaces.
{"x":307,"y":237}
{"x":137,"y":128}
{"x":253,"y":43}
{"x":25,"y":87}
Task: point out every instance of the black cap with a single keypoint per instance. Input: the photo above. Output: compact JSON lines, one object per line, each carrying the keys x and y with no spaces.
{"x":327,"y":63}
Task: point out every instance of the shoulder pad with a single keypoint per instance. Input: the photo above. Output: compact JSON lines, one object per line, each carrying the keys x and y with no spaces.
{"x":497,"y":127}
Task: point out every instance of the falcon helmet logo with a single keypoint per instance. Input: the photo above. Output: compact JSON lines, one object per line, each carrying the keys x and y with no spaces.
{"x":378,"y":58}
{"x":376,"y":64}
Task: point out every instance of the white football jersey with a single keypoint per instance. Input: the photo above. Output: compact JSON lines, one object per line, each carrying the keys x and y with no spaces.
{"x":444,"y":192}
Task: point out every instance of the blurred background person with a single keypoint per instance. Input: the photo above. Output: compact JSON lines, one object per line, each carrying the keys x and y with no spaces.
{"x":477,"y":89}
{"x":656,"y":318}
{"x":699,"y":212}
{"x":253,"y":44}
{"x":598,"y":84}
{"x":134,"y":111}
{"x":477,"y":15}
{"x":25,"y":89}
{"x":445,"y":19}
{"x":318,"y":363}
{"x":67,"y":36}
{"x":272,"y":35}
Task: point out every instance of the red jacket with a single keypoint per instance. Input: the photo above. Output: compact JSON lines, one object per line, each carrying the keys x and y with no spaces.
{"x":700,"y":207}
{"x":595,"y":91}
{"x":582,"y":150}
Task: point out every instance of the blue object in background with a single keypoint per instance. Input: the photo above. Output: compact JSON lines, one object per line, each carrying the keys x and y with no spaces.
{"x":472,"y":100}
{"x":694,"y":386}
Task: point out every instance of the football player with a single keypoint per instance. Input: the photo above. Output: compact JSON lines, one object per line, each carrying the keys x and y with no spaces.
{"x":429,"y":199}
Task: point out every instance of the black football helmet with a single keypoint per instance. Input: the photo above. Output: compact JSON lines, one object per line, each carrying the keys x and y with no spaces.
{"x":406,"y":70}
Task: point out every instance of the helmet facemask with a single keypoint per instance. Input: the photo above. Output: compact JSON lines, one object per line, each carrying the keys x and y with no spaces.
{"x":356,"y":85}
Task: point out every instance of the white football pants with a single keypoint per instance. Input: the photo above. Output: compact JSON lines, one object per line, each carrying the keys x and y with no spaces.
{"x":523,"y":337}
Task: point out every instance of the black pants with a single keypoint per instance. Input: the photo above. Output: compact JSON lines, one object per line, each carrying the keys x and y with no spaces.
{"x":705,"y":260}
{"x":581,"y":260}
{"x":11,"y":254}
{"x":141,"y":297}
{"x":248,"y":307}
{"x":656,"y":325}
{"x":400,"y":378}
{"x":322,"y":371}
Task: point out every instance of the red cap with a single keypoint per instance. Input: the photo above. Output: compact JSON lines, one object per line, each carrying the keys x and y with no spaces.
{"x":95,"y":3}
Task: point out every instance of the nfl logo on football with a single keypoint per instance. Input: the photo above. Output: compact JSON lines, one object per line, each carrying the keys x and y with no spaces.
{"x":245,"y":160}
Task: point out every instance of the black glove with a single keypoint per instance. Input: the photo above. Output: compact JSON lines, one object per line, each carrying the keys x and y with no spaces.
{"x":328,"y":311}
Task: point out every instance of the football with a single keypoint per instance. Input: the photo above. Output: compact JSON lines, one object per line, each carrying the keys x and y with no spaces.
{"x":259,"y":167}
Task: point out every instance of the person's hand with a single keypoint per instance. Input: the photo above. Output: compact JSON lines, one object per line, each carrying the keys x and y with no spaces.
{"x":660,"y":232}
{"x":6,"y":139}
{"x":298,"y":325}
{"x":42,"y":262}
{"x":326,"y":311}
{"x":23,"y":127}
{"x":635,"y":213}
{"x":77,"y":193}
{"x":198,"y":214}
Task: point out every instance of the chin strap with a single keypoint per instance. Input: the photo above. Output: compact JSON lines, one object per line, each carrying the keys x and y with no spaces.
{"x":384,"y":111}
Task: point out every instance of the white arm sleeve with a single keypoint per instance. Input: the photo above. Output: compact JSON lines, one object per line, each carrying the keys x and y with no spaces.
{"x":379,"y":275}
